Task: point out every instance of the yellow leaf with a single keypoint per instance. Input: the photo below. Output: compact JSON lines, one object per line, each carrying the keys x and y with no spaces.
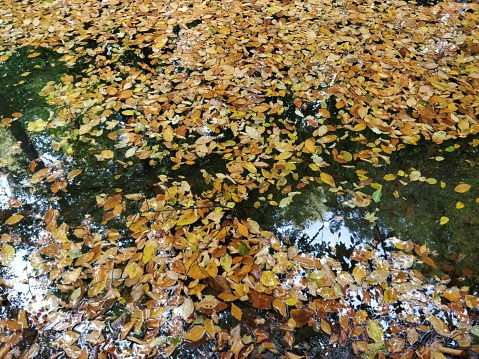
{"x":226,"y":261}
{"x":375,"y":331}
{"x":309,"y":145}
{"x":37,"y":126}
{"x":359,"y":272}
{"x":188,"y":217}
{"x":149,"y":251}
{"x":443,"y":220}
{"x":97,"y":288}
{"x":243,"y":230}
{"x":133,"y":270}
{"x":268,"y":279}
{"x":71,"y":276}
{"x":389,"y":177}
{"x":438,"y":355}
{"x":195,"y":333}
{"x":7,"y":254}
{"x":284,"y":155}
{"x":128,"y":112}
{"x":250,"y":167}
{"x":14,"y":219}
{"x":130,"y":152}
{"x":328,"y":179}
{"x":236,"y":311}
{"x":74,"y":173}
{"x":346,"y":156}
{"x":462,"y":187}
{"x":459,"y":205}
{"x":168,"y":134}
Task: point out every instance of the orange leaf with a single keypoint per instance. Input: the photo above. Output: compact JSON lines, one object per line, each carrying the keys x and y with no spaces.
{"x":280,"y":306}
{"x":462,"y":187}
{"x":236,"y":311}
{"x":195,"y":333}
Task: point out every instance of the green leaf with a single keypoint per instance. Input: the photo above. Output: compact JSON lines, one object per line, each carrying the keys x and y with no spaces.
{"x":285,"y":201}
{"x":377,"y":194}
{"x":243,"y":249}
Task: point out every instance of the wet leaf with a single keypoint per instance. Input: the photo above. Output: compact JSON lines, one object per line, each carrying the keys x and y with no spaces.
{"x":187,"y":218}
{"x":443,"y":220}
{"x":187,"y":308}
{"x":280,"y":306}
{"x":236,"y":311}
{"x":226,"y":261}
{"x":195,"y":333}
{"x":269,"y":279}
{"x":377,"y":196}
{"x":462,"y":187}
{"x":243,"y":249}
{"x":327,"y":178}
{"x":149,"y":251}
{"x":439,"y":325}
{"x":208,"y":302}
{"x":7,"y":254}
{"x":325,"y":327}
{"x":375,"y":331}
{"x":14,"y":219}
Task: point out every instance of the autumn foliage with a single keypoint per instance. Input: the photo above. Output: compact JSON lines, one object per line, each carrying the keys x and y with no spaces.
{"x":271,"y":92}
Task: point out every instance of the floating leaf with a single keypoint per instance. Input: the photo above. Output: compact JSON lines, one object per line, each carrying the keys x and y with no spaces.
{"x":269,"y":279}
{"x":439,"y":325}
{"x":7,"y":254}
{"x":462,"y":187}
{"x":375,"y":331}
{"x":243,"y":249}
{"x":208,"y":302}
{"x":236,"y":311}
{"x":280,"y":306}
{"x":443,"y":220}
{"x":327,"y":178}
{"x":14,"y":219}
{"x":149,"y":251}
{"x":187,"y":308}
{"x":188,"y":217}
{"x":195,"y":333}
{"x":226,"y":261}
{"x":377,"y":196}
{"x":285,"y":202}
